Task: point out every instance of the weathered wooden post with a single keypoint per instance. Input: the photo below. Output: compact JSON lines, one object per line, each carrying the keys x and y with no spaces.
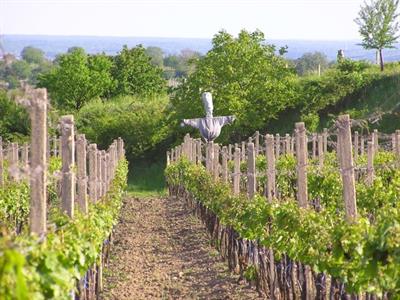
{"x":210,"y":157}
{"x":287,"y":143}
{"x":320,"y":151}
{"x":277,"y":145}
{"x":375,"y":140}
{"x":25,"y":156}
{"x":271,"y":174}
{"x":314,"y":146}
{"x":251,"y":171}
{"x":215,"y":162}
{"x":325,"y":135}
{"x":362,"y":145}
{"x":199,"y":153}
{"x":236,"y":171}
{"x":356,"y":146}
{"x":194,"y":151}
{"x":1,"y":163}
{"x":301,"y":154}
{"x":243,"y":151}
{"x":370,"y":163}
{"x":257,"y":142}
{"x":99,"y":175}
{"x":93,"y":172}
{"x":103,"y":172}
{"x":347,"y":167}
{"x":38,"y":178}
{"x":13,"y":169}
{"x":292,"y":143}
{"x":224,"y":164}
{"x":81,"y":172}
{"x":120,"y":147}
{"x":68,"y":162}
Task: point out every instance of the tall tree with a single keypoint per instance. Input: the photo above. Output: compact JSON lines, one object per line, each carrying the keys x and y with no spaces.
{"x":378,"y":25}
{"x":32,"y":55}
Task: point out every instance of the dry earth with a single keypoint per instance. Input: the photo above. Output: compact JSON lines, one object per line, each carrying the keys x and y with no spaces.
{"x":161,"y":251}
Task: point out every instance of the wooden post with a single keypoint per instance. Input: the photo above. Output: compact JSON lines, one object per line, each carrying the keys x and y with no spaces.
{"x":271,"y":175}
{"x":68,"y":162}
{"x":38,"y":178}
{"x":120,"y":148}
{"x":25,"y":156}
{"x":210,"y":157}
{"x":224,"y":164}
{"x":370,"y":163}
{"x":230,"y":147}
{"x":301,"y":154}
{"x":287,"y":143}
{"x":362,"y":145}
{"x":81,"y":171}
{"x":314,"y":146}
{"x":243,"y":151}
{"x":257,"y":143}
{"x":277,"y":145}
{"x":1,"y":163}
{"x":325,"y":135}
{"x":375,"y":140}
{"x":99,"y":185}
{"x":199,"y":153}
{"x":13,"y":162}
{"x":103,"y":173}
{"x":347,"y":167}
{"x":215,"y":162}
{"x":356,"y":146}
{"x":320,"y":151}
{"x":251,"y":171}
{"x":93,"y":172}
{"x":394,"y":142}
{"x":292,"y":143}
{"x":194,"y":150}
{"x":236,"y":171}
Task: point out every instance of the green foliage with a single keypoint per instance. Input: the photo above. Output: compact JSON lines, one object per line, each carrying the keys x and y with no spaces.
{"x":378,"y":25}
{"x":32,"y":55}
{"x":363,"y":255}
{"x":157,"y":56}
{"x":308,"y":63}
{"x":48,"y":269}
{"x":181,"y":65}
{"x":77,"y":78}
{"x":246,"y":78}
{"x":141,"y":122}
{"x":14,"y":119}
{"x":135,"y":74}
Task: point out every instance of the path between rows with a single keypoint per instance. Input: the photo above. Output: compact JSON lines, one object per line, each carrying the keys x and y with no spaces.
{"x":161,"y":251}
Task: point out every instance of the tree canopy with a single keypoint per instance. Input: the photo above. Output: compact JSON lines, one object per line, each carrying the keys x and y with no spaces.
{"x":32,"y":55}
{"x":247,"y":79}
{"x":378,"y":26}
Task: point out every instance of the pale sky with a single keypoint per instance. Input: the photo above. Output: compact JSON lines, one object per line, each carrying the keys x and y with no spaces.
{"x":278,"y":19}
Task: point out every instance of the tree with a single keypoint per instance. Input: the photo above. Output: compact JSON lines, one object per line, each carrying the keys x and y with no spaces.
{"x":134,"y":73}
{"x":157,"y":56}
{"x":77,"y":78}
{"x":32,"y":55}
{"x":378,"y":25}
{"x":245,"y":76}
{"x":309,"y":63}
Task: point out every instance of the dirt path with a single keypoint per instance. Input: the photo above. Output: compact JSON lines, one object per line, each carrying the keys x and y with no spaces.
{"x":161,"y":251}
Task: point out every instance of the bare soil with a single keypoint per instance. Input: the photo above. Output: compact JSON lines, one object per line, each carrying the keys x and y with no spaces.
{"x":161,"y":251}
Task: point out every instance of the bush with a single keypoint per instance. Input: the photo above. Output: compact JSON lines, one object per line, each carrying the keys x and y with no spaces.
{"x":141,"y":122}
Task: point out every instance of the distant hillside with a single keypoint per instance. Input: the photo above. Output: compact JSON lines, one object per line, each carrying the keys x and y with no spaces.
{"x":53,"y":45}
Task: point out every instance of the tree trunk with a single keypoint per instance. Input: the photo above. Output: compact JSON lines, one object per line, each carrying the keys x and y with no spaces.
{"x":381,"y":59}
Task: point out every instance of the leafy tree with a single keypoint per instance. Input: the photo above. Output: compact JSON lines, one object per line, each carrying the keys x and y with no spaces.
{"x":182,"y":64}
{"x":308,"y":63}
{"x":77,"y":78}
{"x":140,"y":121}
{"x":135,"y":74}
{"x":247,"y":79}
{"x":156,"y":55}
{"x":378,"y":25}
{"x":21,"y":69}
{"x":14,"y":119}
{"x":32,"y":55}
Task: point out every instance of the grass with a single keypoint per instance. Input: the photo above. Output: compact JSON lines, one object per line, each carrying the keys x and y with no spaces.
{"x":146,"y":179}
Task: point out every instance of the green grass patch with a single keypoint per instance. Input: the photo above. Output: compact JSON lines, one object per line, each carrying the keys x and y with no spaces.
{"x":146,"y":179}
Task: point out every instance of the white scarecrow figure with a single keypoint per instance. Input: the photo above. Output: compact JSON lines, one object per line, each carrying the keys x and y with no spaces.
{"x":210,"y":127}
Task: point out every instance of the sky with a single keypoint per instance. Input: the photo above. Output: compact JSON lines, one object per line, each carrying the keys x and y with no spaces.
{"x":278,"y":19}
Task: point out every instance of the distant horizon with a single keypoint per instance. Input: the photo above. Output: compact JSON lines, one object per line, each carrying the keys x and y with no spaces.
{"x":171,"y":37}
